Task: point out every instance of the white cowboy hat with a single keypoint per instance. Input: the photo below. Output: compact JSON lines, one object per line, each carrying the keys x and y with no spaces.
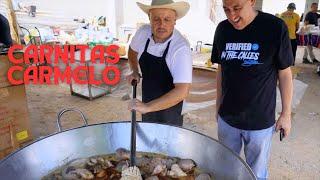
{"x":181,"y":7}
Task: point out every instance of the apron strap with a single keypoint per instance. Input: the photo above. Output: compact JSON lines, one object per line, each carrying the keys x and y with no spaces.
{"x":146,"y":46}
{"x":166,"y":51}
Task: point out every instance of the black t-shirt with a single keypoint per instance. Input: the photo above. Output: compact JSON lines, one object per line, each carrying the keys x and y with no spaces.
{"x":312,"y":18}
{"x":5,"y":36}
{"x":250,"y":60}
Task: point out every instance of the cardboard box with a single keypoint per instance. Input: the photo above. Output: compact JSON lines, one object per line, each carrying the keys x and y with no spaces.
{"x":14,"y":119}
{"x":7,"y":141}
{"x":5,"y":64}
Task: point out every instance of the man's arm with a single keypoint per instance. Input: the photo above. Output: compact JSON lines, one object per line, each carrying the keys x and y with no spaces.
{"x":139,"y":36}
{"x":285,"y":86}
{"x":134,"y":66}
{"x":173,"y":97}
{"x":219,"y":91}
{"x":133,"y":60}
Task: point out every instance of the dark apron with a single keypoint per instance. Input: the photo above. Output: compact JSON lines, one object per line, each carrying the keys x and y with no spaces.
{"x":157,"y":81}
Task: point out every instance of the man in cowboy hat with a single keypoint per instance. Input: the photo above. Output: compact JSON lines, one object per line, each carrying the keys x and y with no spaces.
{"x":164,"y":58}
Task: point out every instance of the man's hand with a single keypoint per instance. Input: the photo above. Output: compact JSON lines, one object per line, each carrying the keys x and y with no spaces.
{"x":284,"y":122}
{"x":132,"y":76}
{"x":139,"y":106}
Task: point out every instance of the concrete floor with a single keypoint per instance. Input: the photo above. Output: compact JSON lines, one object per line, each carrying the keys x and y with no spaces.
{"x":297,"y":157}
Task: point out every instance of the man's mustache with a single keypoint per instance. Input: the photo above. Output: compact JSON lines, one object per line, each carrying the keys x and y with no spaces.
{"x":161,"y":29}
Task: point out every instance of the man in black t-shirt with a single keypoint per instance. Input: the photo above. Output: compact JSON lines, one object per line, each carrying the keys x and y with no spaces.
{"x":5,"y":36}
{"x":253,"y":51}
{"x":311,"y":18}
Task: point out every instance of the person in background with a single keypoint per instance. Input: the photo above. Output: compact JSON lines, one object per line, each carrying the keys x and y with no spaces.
{"x":311,"y":18}
{"x":250,"y":61}
{"x":292,"y":20}
{"x":164,"y":58}
{"x":5,"y":36}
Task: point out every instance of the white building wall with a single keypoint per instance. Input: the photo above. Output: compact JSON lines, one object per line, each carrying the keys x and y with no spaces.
{"x":196,"y":25}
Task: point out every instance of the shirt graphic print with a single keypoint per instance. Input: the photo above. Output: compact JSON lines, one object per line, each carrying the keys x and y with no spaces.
{"x":247,"y":53}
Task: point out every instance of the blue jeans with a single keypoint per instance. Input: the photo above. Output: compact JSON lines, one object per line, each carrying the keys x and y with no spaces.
{"x":257,"y":145}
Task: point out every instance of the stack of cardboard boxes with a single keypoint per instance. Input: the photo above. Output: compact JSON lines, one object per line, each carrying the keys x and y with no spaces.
{"x":14,"y":117}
